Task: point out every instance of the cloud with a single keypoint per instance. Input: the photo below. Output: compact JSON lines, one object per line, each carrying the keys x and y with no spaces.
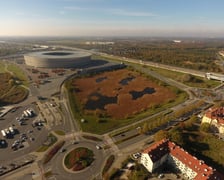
{"x":123,"y":12}
{"x":74,"y":8}
{"x":120,"y":12}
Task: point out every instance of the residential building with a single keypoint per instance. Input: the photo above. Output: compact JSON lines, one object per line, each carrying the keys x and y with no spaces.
{"x":221,"y":53}
{"x":168,"y":152}
{"x":215,"y":117}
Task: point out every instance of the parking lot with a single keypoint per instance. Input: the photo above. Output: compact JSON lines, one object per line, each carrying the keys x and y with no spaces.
{"x":22,"y":134}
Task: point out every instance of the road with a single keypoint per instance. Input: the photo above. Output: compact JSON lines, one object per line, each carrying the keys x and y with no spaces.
{"x":94,"y":170}
{"x":67,"y":110}
{"x":139,"y":61}
{"x":127,"y":146}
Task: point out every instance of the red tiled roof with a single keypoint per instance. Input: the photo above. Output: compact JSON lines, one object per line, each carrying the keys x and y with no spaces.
{"x":216,"y":113}
{"x":157,"y":150}
{"x":204,"y":172}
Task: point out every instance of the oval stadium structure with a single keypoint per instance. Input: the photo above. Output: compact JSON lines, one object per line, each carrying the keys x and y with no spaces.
{"x":58,"y":59}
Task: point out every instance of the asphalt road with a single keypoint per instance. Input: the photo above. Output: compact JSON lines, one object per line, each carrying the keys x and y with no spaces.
{"x":56,"y":164}
{"x":89,"y":173}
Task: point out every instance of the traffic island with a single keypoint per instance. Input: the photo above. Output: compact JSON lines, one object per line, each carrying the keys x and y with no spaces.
{"x":78,"y":159}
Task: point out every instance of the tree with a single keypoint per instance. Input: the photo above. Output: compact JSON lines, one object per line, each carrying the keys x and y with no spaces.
{"x":162,"y":134}
{"x":205,"y":127}
{"x":145,"y":128}
{"x":176,"y":136}
{"x":182,"y":125}
{"x":186,"y":78}
{"x":11,"y":82}
{"x":193,"y":119}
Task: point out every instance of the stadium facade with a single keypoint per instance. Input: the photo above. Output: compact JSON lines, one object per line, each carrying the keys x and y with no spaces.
{"x":57,"y":59}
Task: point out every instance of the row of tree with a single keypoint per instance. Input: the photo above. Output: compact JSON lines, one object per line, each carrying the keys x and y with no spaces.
{"x":191,"y":55}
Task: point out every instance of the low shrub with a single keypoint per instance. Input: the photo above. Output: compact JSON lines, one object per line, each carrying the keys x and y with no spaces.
{"x":52,"y":152}
{"x":108,"y":164}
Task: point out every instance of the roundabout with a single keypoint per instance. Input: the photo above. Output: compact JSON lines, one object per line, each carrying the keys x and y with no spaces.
{"x":92,"y":170}
{"x":78,"y":159}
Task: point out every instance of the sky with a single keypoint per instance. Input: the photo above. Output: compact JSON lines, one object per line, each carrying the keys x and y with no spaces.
{"x":197,"y":18}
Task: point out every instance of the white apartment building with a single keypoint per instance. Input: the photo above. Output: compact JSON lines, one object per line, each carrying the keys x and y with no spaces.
{"x":166,"y":151}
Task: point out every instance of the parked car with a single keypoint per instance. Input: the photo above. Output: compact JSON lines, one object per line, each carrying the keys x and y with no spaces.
{"x":160,"y":176}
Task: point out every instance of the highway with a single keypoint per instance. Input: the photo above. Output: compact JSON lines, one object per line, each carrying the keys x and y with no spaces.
{"x":139,"y":61}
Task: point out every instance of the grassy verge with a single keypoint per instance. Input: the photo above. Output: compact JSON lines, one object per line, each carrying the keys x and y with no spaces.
{"x":51,"y":139}
{"x":52,"y":152}
{"x":108,"y":164}
{"x":199,"y":82}
{"x":2,"y":67}
{"x":48,"y":174}
{"x":93,"y":138}
{"x":11,"y":92}
{"x":127,"y":138}
{"x":59,"y":132}
{"x":18,"y":73}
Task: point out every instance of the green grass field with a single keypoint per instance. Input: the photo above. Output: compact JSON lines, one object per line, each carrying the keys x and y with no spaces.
{"x":2,"y":67}
{"x":201,"y":82}
{"x":18,"y":73}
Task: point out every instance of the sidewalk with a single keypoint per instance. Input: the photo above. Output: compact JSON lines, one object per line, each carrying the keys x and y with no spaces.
{"x":33,"y":170}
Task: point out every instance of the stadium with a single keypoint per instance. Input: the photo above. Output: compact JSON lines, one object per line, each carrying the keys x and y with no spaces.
{"x":57,"y":59}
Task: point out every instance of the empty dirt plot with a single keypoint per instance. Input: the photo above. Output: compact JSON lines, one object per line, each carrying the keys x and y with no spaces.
{"x":119,"y":94}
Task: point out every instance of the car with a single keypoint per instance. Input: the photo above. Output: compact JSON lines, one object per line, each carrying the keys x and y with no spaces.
{"x":98,"y":147}
{"x":29,"y":131}
{"x":75,"y":142}
{"x":20,"y":146}
{"x":13,"y":110}
{"x":23,"y":136}
{"x":37,"y":124}
{"x":62,"y":150}
{"x":15,"y":148}
{"x":2,"y":142}
{"x":160,"y":176}
{"x":12,"y":164}
{"x":136,"y":155}
{"x":22,"y":123}
{"x":17,"y":141}
{"x":32,"y":139}
{"x":40,"y":124}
